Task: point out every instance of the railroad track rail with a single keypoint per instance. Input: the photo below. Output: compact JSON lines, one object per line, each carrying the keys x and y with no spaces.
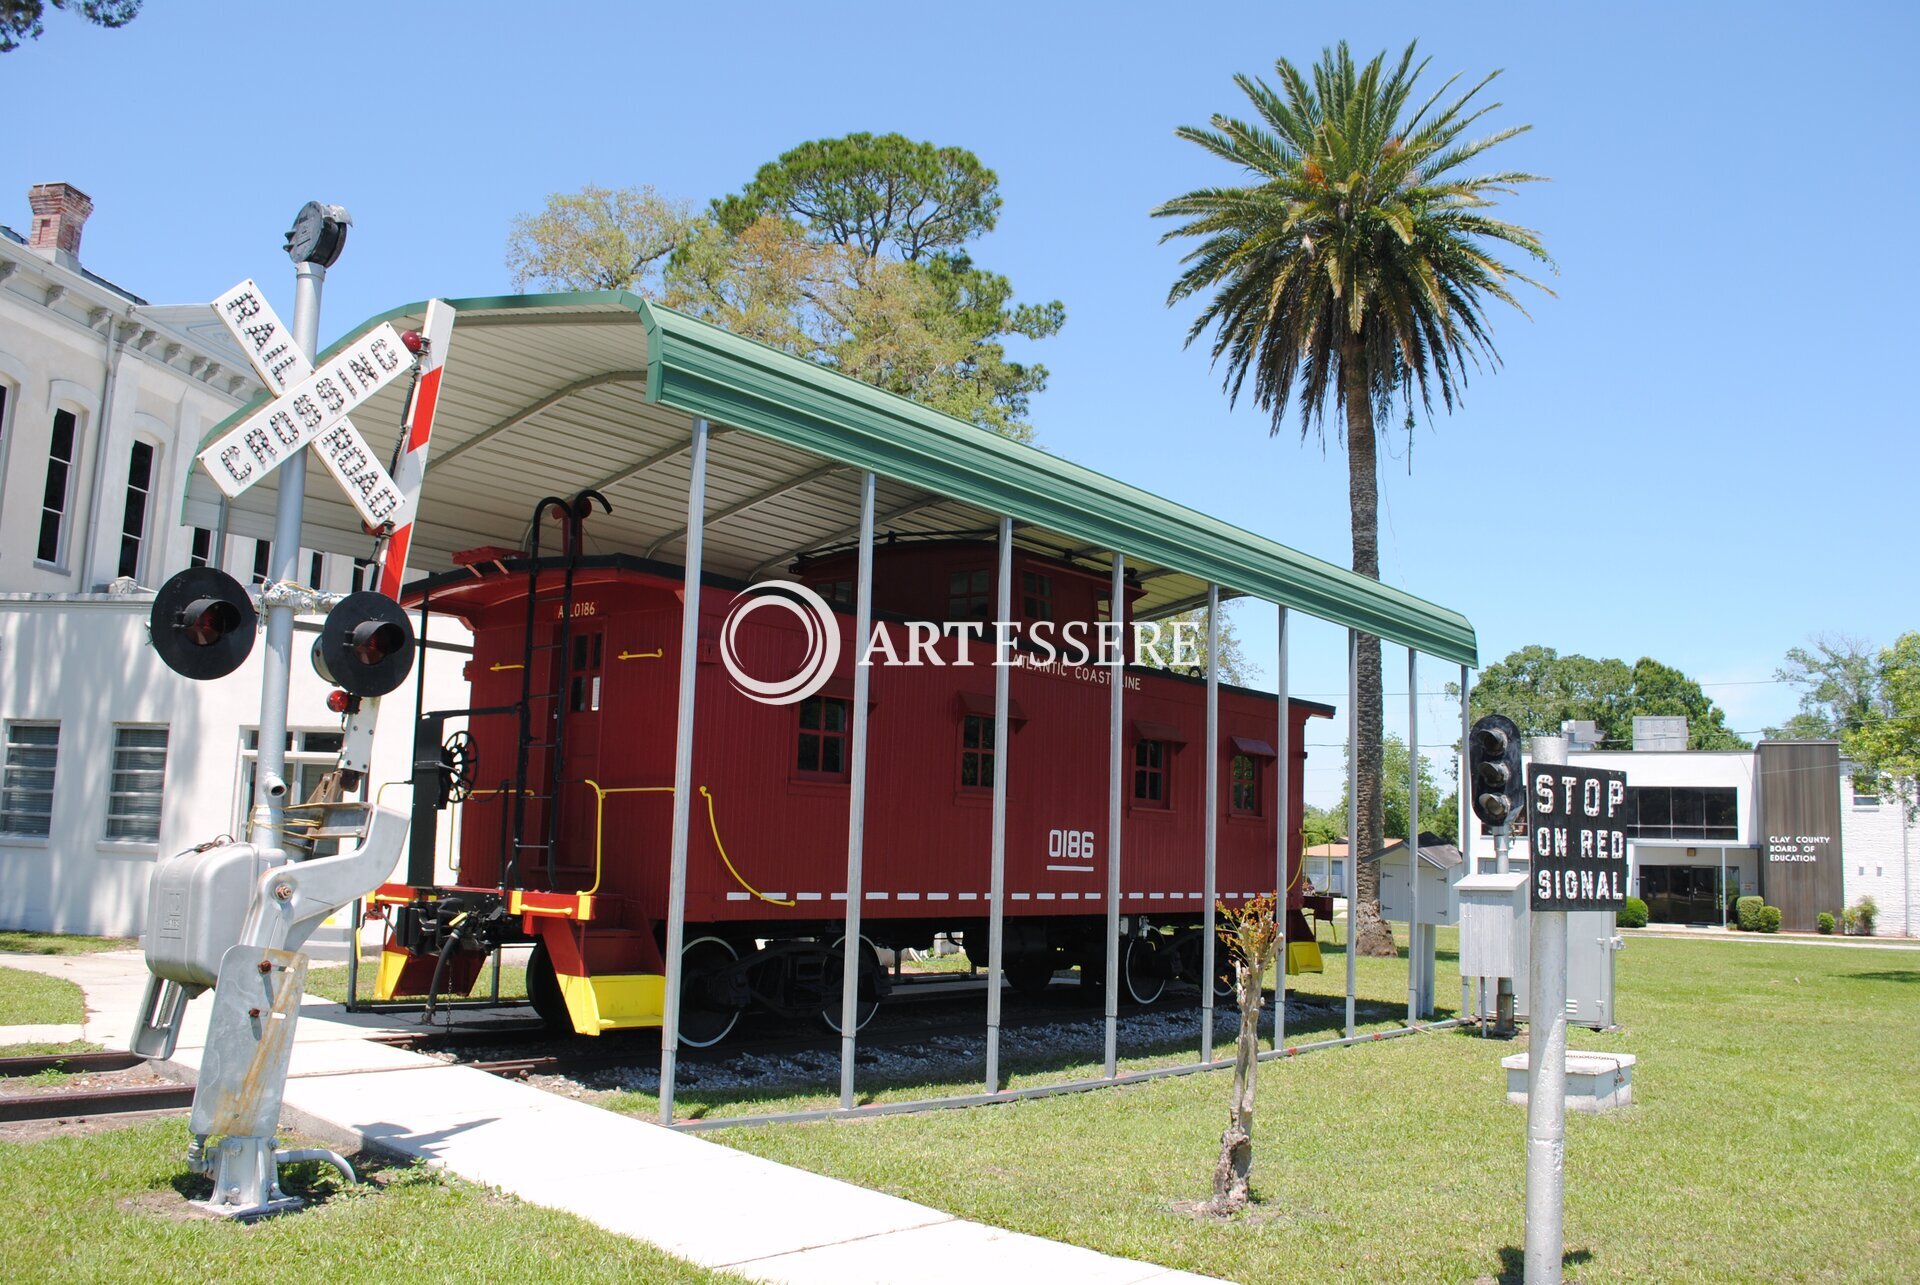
{"x":142,"y":1099}
{"x":76,"y":1063}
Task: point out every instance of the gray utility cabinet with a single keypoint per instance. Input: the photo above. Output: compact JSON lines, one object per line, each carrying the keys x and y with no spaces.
{"x":1494,"y":943}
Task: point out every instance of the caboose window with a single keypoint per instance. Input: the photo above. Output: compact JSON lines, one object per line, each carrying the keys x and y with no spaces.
{"x":1243,"y":776}
{"x":976,"y":752}
{"x":823,"y":735}
{"x":585,"y":696}
{"x":1150,"y":773}
{"x":1036,"y":596}
{"x":967,"y":594}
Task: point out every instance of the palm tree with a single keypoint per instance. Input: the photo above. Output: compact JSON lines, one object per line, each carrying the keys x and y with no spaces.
{"x":1355,"y":265}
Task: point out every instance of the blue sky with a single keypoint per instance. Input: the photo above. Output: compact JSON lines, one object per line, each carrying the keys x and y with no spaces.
{"x":1700,"y":424}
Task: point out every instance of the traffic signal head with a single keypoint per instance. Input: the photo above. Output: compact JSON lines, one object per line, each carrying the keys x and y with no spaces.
{"x":202,"y":623}
{"x":1493,"y":768}
{"x":365,"y":647}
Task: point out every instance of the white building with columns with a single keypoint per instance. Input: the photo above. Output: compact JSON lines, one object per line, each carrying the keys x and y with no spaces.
{"x":110,"y":759}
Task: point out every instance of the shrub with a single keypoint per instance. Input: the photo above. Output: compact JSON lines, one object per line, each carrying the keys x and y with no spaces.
{"x":1849,"y":921}
{"x":1633,"y":914}
{"x":1868,"y":910}
{"x":1826,"y":922}
{"x":1746,"y":913}
{"x":1769,"y":919}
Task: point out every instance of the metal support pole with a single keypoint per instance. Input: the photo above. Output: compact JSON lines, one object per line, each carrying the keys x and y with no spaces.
{"x":1547,"y":1076}
{"x":1463,"y":804}
{"x":852,"y":959}
{"x":1353,"y":813}
{"x":1116,"y":774}
{"x":270,"y":784}
{"x":1416,"y":957}
{"x":683,"y":765}
{"x":1210,"y":866}
{"x":1285,"y":832}
{"x":997,"y":877}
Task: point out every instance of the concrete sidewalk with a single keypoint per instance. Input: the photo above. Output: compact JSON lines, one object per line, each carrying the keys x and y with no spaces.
{"x":707,"y":1203}
{"x":1675,"y":932}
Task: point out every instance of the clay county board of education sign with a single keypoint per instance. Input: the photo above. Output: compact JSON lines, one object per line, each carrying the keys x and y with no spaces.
{"x":1574,"y":827}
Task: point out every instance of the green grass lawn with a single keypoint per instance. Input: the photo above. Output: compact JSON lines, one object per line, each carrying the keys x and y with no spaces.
{"x":31,"y":999}
{"x":22,"y":943}
{"x":106,"y":1207}
{"x":1773,"y":1137}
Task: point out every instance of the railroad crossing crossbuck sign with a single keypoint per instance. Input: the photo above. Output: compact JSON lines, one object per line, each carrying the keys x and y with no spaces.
{"x":1577,"y":829}
{"x":311,"y":409}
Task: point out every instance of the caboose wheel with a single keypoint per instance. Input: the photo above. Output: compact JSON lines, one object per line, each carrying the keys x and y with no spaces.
{"x":1137,"y":972}
{"x":702,"y":1023}
{"x":869,"y":1001}
{"x":1030,"y":974}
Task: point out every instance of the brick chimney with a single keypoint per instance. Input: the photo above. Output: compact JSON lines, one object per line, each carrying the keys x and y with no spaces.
{"x":60,"y":211}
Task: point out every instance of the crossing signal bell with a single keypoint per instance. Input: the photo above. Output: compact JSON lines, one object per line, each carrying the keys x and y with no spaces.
{"x":365,"y":647}
{"x":1493,"y":765}
{"x":202,"y":623}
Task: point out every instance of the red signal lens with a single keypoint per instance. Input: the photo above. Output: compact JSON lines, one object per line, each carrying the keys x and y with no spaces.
{"x":413,"y":341}
{"x":374,"y":641}
{"x":207,"y":621}
{"x":337,"y":701}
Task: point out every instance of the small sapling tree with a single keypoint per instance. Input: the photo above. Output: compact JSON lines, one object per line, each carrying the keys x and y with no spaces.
{"x":1251,"y":936}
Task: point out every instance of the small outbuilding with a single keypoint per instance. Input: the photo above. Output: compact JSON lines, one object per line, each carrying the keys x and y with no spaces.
{"x":1440,"y":869}
{"x":1441,"y":866}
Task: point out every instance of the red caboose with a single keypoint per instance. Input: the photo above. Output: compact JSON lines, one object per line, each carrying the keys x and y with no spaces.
{"x":566,"y":790}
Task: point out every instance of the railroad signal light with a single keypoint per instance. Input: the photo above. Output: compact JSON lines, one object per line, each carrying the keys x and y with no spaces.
{"x":202,"y":623}
{"x":1493,"y":766}
{"x":365,"y":646}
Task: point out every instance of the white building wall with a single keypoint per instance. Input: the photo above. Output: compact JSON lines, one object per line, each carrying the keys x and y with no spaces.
{"x":77,"y":656}
{"x":1882,"y":852}
{"x":84,"y":662}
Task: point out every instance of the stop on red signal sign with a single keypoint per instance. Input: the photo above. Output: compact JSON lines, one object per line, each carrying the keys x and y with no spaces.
{"x":1577,"y":832}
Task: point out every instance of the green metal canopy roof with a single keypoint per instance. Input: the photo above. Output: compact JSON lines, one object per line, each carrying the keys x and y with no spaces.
{"x":548,"y":393}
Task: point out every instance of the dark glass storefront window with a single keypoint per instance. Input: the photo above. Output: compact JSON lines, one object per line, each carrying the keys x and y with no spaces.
{"x":1709,"y":813}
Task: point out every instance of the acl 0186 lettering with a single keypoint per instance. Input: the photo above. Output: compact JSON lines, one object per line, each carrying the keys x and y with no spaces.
{"x":1578,"y":842}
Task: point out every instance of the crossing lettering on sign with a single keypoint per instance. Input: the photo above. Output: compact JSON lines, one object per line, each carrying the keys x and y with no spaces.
{"x":311,"y":409}
{"x":1576,"y":827}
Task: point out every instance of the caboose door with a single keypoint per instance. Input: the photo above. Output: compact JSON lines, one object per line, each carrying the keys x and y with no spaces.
{"x":581,"y":748}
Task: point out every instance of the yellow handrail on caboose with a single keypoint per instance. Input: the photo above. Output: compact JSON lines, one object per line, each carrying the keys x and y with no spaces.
{"x":599,"y":824}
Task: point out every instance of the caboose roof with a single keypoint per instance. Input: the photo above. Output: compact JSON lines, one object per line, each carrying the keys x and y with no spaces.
{"x":544,"y":394}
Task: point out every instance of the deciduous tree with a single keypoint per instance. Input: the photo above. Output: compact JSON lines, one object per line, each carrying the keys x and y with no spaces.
{"x":1539,"y":689}
{"x":22,"y":20}
{"x":599,"y":238}
{"x":1353,"y":266}
{"x":1251,"y":935}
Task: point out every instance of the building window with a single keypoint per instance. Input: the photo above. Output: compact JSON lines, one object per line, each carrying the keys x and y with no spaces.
{"x":262,"y":556}
{"x":309,"y":757}
{"x":53,"y":503}
{"x":967,"y":595}
{"x":202,"y":548}
{"x":26,"y":788}
{"x":363,"y":577}
{"x":976,"y":752}
{"x":1036,"y":596}
{"x":317,"y":570}
{"x":1243,"y":779}
{"x":133,"y":519}
{"x":1866,"y":791}
{"x":1661,"y":812}
{"x":839,"y":592}
{"x":1150,"y":773}
{"x":139,"y":777}
{"x":824,"y":723}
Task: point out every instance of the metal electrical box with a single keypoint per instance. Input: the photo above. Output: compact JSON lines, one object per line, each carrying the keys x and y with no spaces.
{"x":1494,"y":943}
{"x":196,"y":906}
{"x":1493,"y":925}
